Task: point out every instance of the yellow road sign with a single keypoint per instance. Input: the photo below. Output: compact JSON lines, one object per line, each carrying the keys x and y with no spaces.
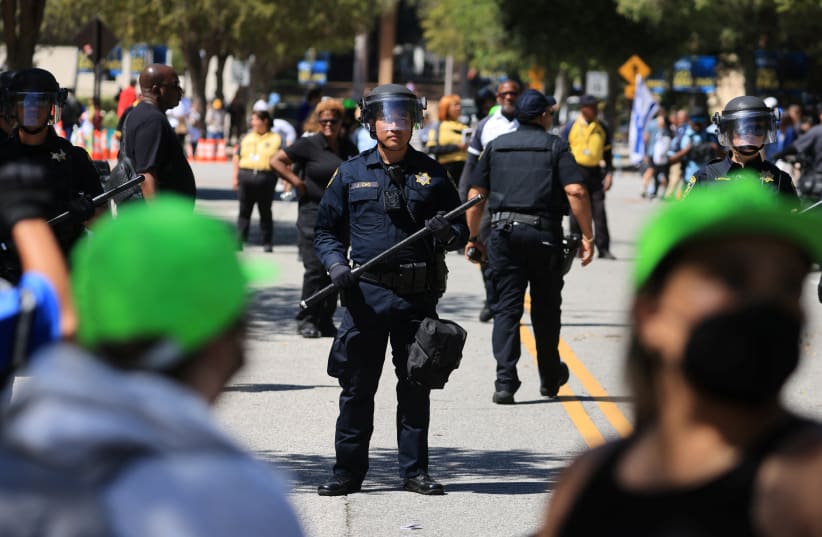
{"x":632,"y":67}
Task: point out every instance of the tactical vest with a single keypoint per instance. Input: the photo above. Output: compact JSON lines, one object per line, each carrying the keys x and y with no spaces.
{"x":523,"y":168}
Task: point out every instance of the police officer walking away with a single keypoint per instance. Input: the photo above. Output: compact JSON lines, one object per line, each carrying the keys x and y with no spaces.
{"x":745,"y":126}
{"x":590,"y":142}
{"x":377,"y":199}
{"x":531,"y":180}
{"x":33,"y":94}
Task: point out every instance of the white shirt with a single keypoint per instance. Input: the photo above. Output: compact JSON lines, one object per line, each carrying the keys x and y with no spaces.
{"x":490,"y":128}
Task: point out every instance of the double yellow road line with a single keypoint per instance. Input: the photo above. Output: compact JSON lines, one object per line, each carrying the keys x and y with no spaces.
{"x":574,"y":408}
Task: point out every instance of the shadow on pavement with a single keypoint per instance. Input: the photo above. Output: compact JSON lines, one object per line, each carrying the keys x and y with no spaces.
{"x":272,"y":312}
{"x":502,"y":472}
{"x":216,"y":194}
{"x":259,"y":388}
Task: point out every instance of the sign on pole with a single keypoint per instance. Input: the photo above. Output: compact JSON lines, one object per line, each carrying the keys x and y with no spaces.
{"x":630,"y":69}
{"x":596,"y":84}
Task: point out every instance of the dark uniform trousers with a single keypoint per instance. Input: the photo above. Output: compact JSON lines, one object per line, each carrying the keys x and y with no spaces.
{"x":376,"y":315}
{"x":256,"y":187}
{"x":593,"y":182}
{"x":315,"y":276}
{"x":519,"y":254}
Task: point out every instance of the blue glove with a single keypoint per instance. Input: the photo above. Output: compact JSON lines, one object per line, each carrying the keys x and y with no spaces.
{"x":341,"y":276}
{"x":441,"y":228}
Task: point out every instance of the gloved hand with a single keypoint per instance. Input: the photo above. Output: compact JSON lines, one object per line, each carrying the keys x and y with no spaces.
{"x":440,"y":228}
{"x":81,"y":208}
{"x":24,"y":194}
{"x":341,"y":276}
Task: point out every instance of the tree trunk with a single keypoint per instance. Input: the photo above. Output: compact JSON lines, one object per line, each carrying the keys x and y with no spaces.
{"x":197,"y":71}
{"x":221,"y":59}
{"x":20,"y":44}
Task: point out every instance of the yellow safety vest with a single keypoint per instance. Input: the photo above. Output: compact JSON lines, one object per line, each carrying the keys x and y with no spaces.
{"x":256,"y":150}
{"x":587,"y":141}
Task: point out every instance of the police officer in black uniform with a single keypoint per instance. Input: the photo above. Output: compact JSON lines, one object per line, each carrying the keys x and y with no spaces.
{"x":531,"y":179}
{"x":745,"y":126}
{"x":377,"y":199}
{"x":36,"y":98}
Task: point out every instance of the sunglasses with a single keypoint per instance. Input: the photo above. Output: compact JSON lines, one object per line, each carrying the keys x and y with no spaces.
{"x":508,"y":94}
{"x":329,"y":121}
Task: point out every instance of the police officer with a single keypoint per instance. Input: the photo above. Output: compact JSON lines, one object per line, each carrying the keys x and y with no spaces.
{"x":36,"y":100}
{"x":745,"y":126}
{"x":377,"y":199}
{"x":531,"y":179}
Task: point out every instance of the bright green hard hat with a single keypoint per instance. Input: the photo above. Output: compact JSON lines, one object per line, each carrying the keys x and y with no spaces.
{"x":734,"y":208}
{"x":160,"y":271}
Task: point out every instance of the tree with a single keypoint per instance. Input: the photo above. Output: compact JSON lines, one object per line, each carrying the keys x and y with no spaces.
{"x":275,"y":33}
{"x":21,"y":28}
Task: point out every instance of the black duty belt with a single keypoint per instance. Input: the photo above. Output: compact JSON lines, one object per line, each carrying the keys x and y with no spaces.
{"x":257,"y":172}
{"x":539,"y":222}
{"x":405,"y":279}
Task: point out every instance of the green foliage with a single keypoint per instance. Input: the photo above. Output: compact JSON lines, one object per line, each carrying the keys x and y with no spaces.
{"x":470,"y":30}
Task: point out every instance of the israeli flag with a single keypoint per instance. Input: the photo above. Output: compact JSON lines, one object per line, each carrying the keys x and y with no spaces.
{"x":643,"y":110}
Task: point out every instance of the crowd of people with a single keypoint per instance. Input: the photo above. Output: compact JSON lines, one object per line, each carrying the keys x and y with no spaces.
{"x":124,"y":357}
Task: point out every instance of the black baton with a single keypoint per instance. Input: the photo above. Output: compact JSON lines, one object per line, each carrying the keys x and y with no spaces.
{"x":422,"y":233}
{"x":102,"y":198}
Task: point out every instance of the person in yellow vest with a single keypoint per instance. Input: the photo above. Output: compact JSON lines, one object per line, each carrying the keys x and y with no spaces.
{"x":590,"y":142}
{"x":447,"y":141}
{"x":254,"y":179}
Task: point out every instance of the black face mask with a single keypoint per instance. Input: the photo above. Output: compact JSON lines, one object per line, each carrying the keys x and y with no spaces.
{"x":748,"y":150}
{"x":745,"y":355}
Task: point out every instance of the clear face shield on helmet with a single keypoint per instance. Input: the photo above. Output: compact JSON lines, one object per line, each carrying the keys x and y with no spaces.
{"x":393,"y":114}
{"x":34,"y":109}
{"x":747,"y":129}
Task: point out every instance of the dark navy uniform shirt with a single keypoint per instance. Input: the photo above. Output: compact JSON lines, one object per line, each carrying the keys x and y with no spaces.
{"x":354,"y":203}
{"x":728,"y":170}
{"x":70,"y":173}
{"x":526,"y":171}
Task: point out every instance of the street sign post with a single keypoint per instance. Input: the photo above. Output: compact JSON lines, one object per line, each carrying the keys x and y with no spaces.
{"x":632,"y":67}
{"x":95,"y":40}
{"x":596,"y":84}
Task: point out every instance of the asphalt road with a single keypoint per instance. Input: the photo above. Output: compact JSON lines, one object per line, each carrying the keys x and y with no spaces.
{"x":498,"y":463}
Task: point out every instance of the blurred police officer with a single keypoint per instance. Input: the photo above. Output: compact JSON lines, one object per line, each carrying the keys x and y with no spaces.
{"x":36,"y":99}
{"x":590,"y":142}
{"x":377,"y":199}
{"x":745,"y":126}
{"x":531,"y":180}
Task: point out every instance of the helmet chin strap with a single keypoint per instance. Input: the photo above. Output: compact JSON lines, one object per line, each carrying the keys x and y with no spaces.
{"x":38,"y":130}
{"x":748,"y":150}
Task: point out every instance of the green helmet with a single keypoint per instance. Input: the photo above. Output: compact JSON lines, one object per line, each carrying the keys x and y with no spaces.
{"x":736,"y":208}
{"x":159,"y":271}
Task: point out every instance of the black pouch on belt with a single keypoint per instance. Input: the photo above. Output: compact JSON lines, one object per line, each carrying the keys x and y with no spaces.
{"x":435,"y":352}
{"x":412,"y":278}
{"x":570,"y":247}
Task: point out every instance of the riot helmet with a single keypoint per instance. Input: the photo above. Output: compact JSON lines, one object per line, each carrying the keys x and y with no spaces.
{"x":394,"y":104}
{"x":36,"y":98}
{"x":746,"y":124}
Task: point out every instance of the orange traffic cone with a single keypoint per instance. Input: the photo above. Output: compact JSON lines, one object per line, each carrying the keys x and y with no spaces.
{"x":221,"y":154}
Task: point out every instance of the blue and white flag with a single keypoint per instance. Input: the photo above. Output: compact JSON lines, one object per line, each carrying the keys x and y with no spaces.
{"x":642,"y":111}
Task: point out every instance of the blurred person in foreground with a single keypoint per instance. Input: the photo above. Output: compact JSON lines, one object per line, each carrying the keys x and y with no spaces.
{"x":134,"y":394}
{"x":717,"y":320}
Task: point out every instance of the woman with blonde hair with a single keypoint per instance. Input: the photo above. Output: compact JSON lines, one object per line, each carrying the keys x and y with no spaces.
{"x":316,"y":157}
{"x":447,"y":140}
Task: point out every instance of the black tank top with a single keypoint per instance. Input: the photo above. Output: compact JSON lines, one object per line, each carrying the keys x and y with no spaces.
{"x":720,"y":507}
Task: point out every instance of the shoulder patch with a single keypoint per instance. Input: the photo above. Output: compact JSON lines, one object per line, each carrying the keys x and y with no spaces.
{"x":332,"y":178}
{"x":363,"y":184}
